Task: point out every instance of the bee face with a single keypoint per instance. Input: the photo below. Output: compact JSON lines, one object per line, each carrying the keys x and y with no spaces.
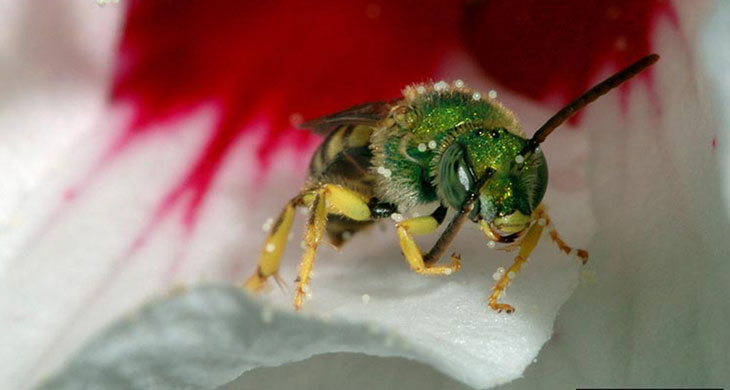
{"x":508,"y":198}
{"x":514,"y":189}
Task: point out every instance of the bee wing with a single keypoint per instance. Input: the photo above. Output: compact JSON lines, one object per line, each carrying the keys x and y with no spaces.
{"x":368,"y":113}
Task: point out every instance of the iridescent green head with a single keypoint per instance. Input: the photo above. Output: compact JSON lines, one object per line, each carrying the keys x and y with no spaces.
{"x":516,"y":183}
{"x":487,"y":159}
{"x":479,"y":137}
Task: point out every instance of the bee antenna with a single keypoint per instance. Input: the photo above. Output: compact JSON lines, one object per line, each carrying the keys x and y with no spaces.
{"x":589,"y":96}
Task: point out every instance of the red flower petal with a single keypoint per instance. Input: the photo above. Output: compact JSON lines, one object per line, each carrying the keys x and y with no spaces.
{"x":284,"y":61}
{"x":277,"y":60}
{"x":548,"y":49}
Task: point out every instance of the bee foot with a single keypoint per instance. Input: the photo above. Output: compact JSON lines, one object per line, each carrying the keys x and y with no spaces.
{"x":582,"y":254}
{"x":301,"y":295}
{"x":254,"y":284}
{"x":500,"y":307}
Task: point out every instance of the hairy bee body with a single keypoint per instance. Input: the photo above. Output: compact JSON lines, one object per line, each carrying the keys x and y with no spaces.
{"x":344,"y":158}
{"x":394,"y":157}
{"x":440,"y":143}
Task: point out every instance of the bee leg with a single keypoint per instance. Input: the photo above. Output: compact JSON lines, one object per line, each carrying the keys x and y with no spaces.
{"x":328,"y":199}
{"x":544,"y":219}
{"x":526,"y":247}
{"x":422,"y":226}
{"x":270,"y":256}
{"x":315,"y":226}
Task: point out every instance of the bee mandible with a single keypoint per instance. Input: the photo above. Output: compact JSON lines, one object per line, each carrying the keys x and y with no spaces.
{"x":439,"y":143}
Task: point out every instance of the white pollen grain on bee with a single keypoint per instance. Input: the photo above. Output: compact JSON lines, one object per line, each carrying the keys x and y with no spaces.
{"x":447,"y":271}
{"x":270,"y":247}
{"x":386,"y":173}
{"x":365,"y":298}
{"x":519,"y":159}
{"x":541,"y":222}
{"x":496,"y":276}
{"x":441,"y":86}
{"x":511,"y":274}
{"x":476,"y":96}
{"x":421,"y":89}
{"x":492,"y":94}
{"x":267,"y":225}
{"x":491,"y":244}
{"x":432,"y":144}
{"x":396,"y":217}
{"x":458,"y":84}
{"x":422,"y":147}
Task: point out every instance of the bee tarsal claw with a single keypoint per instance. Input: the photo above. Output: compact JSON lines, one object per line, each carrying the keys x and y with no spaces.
{"x":500,"y":307}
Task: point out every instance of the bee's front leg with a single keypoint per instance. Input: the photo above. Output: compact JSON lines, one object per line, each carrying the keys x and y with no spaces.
{"x":422,"y":226}
{"x":526,"y":246}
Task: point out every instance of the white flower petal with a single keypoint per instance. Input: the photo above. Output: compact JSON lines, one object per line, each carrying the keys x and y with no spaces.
{"x":658,"y":312}
{"x":656,"y":315}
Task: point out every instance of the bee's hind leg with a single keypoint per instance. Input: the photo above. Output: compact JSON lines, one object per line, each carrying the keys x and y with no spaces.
{"x":270,"y":257}
{"x":328,"y":199}
{"x":312,"y":236}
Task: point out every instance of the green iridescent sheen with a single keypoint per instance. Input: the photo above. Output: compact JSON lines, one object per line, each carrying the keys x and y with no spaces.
{"x":490,"y":137}
{"x":432,"y":119}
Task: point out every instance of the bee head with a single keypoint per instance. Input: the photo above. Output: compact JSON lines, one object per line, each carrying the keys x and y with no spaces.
{"x":509,"y":185}
{"x":501,"y":175}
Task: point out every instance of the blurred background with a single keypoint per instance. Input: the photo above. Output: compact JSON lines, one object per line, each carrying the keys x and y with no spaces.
{"x":143,"y":144}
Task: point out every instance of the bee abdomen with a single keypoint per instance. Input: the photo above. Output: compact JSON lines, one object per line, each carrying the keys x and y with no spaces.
{"x":344,"y":153}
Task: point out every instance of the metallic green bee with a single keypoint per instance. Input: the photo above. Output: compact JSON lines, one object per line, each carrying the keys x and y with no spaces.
{"x":440,"y":143}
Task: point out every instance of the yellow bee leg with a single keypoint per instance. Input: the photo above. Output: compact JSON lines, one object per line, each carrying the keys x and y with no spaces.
{"x":544,"y":219}
{"x":422,"y":226}
{"x":526,"y":247}
{"x":329,"y":199}
{"x":270,"y":256}
{"x":348,"y":203}
{"x":315,"y":226}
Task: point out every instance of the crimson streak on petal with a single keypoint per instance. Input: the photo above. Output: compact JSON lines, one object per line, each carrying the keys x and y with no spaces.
{"x":554,"y":49}
{"x":279,"y":60}
{"x":269,"y":59}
